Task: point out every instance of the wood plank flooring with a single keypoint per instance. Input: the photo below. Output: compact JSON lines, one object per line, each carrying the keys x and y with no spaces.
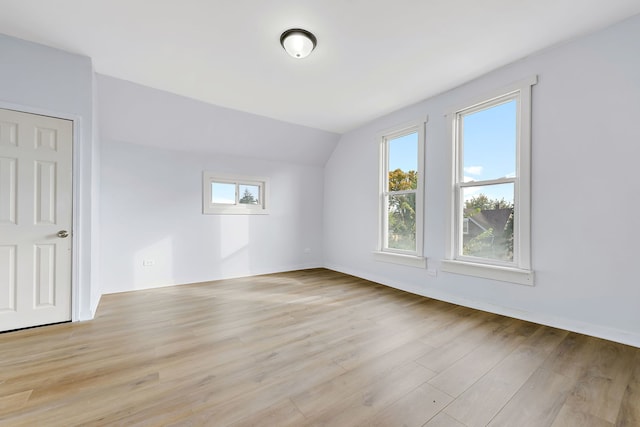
{"x":310,"y":348}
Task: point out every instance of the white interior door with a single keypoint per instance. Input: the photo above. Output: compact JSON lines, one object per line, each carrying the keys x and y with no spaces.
{"x":35,"y":219}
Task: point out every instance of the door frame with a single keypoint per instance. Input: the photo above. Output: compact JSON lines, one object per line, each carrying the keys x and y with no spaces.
{"x":76,"y":218}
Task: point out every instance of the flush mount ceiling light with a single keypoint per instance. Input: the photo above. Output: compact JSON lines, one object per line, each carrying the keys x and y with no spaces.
{"x":298,"y":43}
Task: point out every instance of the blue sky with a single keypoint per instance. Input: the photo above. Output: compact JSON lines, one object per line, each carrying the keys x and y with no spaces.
{"x":403,"y":153}
{"x":222,"y":192}
{"x":489,"y":142}
{"x":490,"y":148}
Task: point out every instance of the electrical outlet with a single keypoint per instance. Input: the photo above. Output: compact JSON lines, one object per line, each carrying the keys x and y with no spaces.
{"x":432,"y":273}
{"x":307,"y":250}
{"x":148,"y":263}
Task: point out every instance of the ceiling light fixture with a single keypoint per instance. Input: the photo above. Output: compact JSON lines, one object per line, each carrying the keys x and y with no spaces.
{"x":298,"y":43}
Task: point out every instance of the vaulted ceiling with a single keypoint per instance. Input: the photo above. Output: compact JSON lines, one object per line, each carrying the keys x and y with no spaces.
{"x":373,"y":56}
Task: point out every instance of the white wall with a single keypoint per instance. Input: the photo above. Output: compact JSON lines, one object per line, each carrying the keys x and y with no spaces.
{"x":39,"y":79}
{"x":586,"y":148}
{"x":96,"y":291}
{"x":154,"y":118}
{"x":151,"y":206}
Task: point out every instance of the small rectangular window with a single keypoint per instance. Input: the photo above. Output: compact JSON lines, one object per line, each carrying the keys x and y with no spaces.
{"x":229,"y":194}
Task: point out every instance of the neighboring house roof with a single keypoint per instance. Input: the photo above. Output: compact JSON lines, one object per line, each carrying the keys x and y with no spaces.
{"x":492,"y":218}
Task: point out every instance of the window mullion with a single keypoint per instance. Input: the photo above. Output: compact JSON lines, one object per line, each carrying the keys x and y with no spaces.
{"x":487,"y":182}
{"x":401,"y":192}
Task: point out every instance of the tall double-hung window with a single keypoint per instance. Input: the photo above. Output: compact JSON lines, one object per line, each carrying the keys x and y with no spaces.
{"x":490,"y":201}
{"x":402,"y":194}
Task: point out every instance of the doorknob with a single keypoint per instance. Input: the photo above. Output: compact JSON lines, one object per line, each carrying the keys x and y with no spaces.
{"x":63,"y":233}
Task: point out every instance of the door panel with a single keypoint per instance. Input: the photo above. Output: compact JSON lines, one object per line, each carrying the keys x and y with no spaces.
{"x":35,"y":205}
{"x":45,"y":271}
{"x":8,"y":196}
{"x":7,"y":278}
{"x":45,"y":193}
{"x":8,"y":133}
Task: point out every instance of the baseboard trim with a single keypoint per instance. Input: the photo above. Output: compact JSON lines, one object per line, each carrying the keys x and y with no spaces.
{"x":610,"y":334}
{"x":195,"y":280}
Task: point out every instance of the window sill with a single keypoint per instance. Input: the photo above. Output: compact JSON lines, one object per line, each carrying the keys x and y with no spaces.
{"x":503,"y":274}
{"x":409,"y":260}
{"x":234,"y":210}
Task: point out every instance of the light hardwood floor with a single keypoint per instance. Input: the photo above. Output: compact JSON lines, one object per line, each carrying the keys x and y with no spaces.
{"x":312,"y":347}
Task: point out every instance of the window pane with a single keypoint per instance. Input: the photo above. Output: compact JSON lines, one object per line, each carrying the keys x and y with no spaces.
{"x":223,"y":193}
{"x":402,"y":222}
{"x":249,"y":194}
{"x":489,"y":143}
{"x":488,"y":222}
{"x":403,"y":162}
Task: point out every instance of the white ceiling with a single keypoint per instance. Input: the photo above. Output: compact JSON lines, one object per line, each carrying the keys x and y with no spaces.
{"x":373,"y":56}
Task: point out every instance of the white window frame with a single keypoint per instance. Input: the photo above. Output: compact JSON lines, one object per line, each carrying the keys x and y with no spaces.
{"x":383,"y":252}
{"x":208,"y":207}
{"x":519,"y":271}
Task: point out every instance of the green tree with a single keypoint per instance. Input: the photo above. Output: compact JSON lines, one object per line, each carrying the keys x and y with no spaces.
{"x":402,"y":210}
{"x":247,"y":198}
{"x":497,"y":244}
{"x":483,"y":203}
{"x":508,"y":233}
{"x":481,"y":245}
{"x":400,"y":180}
